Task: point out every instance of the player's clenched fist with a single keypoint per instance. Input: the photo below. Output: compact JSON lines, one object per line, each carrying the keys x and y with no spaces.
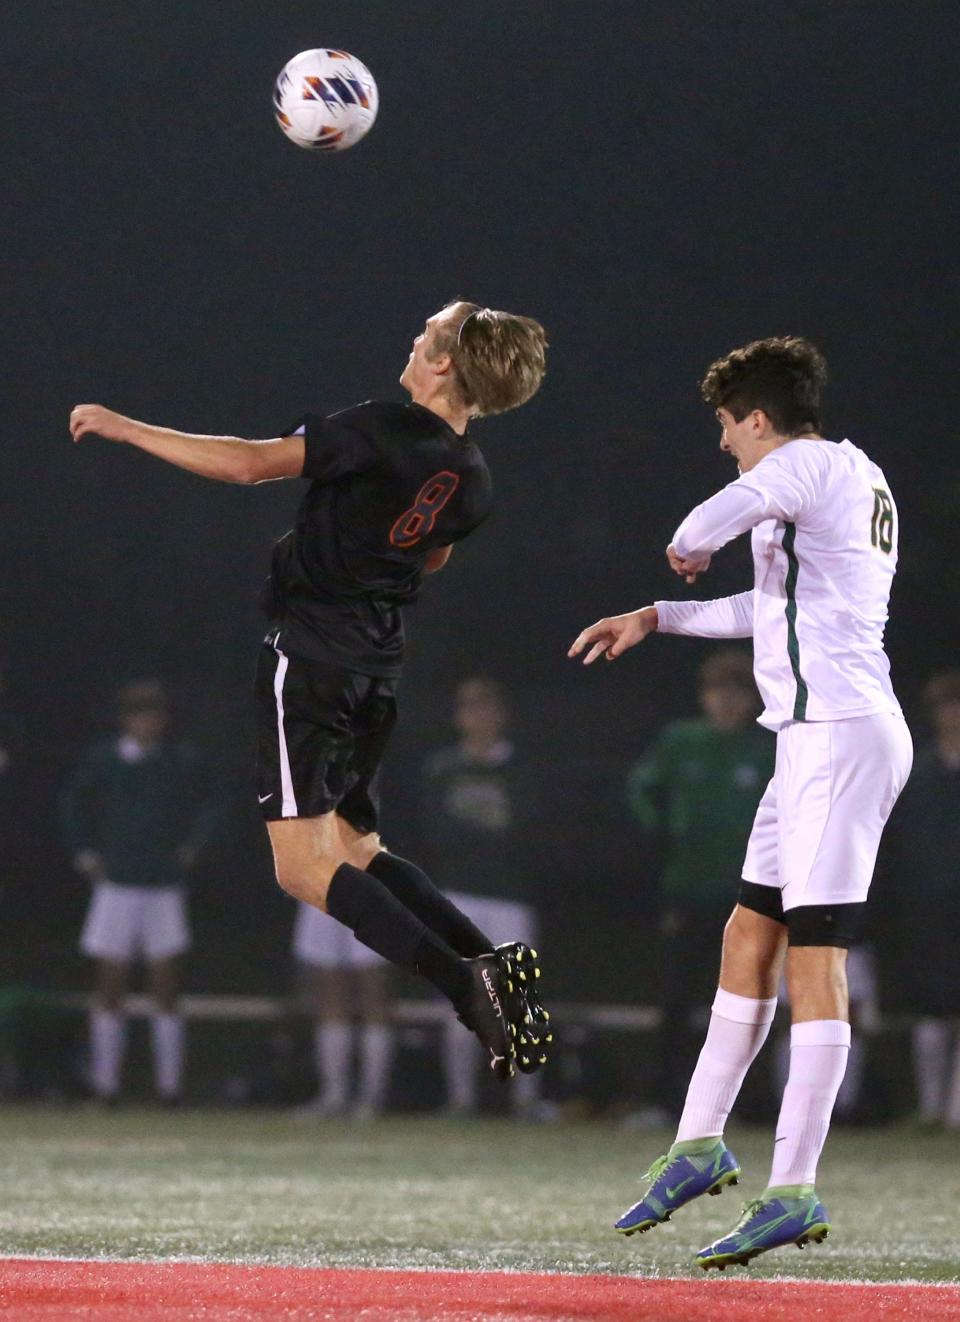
{"x":687,"y":567}
{"x":95,"y":419}
{"x":615,"y":635}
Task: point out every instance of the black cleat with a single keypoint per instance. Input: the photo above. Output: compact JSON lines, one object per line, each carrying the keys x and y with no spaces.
{"x":530,"y":1028}
{"x":485,"y":1014}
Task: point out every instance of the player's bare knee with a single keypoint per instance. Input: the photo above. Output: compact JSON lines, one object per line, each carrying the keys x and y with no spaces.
{"x":733,"y":933}
{"x":359,"y":847}
{"x":308,"y":884}
{"x":753,"y":947}
{"x":817,"y":982}
{"x":306,"y":854}
{"x":305,"y":869}
{"x":750,"y":935}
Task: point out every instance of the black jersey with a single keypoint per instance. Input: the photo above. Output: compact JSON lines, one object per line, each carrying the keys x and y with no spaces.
{"x":388,"y":484}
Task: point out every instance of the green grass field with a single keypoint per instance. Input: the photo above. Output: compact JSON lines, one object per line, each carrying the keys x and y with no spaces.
{"x":258,"y":1186}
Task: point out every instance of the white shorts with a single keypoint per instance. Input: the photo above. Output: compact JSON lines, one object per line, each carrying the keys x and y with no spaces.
{"x":321,"y":941}
{"x":500,"y":920}
{"x":124,"y":922}
{"x":818,"y":825}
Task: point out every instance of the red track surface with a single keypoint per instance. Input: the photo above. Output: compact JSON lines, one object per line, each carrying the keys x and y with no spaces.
{"x":53,"y":1291}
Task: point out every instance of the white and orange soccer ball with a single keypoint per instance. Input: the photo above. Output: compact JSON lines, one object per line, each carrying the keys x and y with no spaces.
{"x":325,"y":100}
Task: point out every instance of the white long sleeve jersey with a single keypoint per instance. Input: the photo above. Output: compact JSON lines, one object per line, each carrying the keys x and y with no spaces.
{"x":824,"y":546}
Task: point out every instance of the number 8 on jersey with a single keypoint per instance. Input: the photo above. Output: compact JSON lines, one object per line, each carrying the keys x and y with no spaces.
{"x":418,"y":521}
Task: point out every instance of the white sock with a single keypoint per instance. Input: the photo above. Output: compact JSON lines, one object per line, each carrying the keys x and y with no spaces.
{"x":931,"y":1050}
{"x":167,"y":1034}
{"x":818,"y":1058}
{"x":738,"y":1029}
{"x":108,"y":1034}
{"x":460,"y":1067}
{"x":331,"y":1047}
{"x":849,"y":1093}
{"x":376,"y":1051}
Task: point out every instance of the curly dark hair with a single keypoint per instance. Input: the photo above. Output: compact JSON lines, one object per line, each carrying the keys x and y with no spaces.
{"x":783,"y":376}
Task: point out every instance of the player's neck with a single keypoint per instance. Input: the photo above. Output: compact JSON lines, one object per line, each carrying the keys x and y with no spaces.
{"x":455,"y":416}
{"x":778,"y":440}
{"x":767,"y":444}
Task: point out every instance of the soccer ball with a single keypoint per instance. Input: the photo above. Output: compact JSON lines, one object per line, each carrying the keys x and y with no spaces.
{"x":325,"y":100}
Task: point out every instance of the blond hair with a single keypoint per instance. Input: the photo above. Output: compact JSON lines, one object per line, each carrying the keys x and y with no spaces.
{"x":499,"y":358}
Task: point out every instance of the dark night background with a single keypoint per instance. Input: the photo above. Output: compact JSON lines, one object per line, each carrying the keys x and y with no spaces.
{"x":657,"y":182}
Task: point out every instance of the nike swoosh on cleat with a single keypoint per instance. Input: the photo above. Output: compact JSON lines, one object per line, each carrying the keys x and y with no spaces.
{"x":672,"y":1193}
{"x":750,"y":1240}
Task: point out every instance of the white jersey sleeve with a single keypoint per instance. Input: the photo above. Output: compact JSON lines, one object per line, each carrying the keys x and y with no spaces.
{"x":724,"y":617}
{"x":824,"y":542}
{"x":773,"y":490}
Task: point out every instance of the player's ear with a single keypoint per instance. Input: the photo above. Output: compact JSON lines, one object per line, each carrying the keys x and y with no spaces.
{"x":441,"y":365}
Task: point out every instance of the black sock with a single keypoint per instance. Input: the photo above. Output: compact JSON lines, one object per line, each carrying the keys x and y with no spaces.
{"x":442,"y":966}
{"x":415,"y":889}
{"x":378,"y":919}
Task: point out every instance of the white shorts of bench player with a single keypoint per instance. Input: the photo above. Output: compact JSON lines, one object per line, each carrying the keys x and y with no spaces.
{"x":125,"y":924}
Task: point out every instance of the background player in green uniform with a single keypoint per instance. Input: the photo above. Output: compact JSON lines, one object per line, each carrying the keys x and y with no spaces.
{"x":695,"y":793}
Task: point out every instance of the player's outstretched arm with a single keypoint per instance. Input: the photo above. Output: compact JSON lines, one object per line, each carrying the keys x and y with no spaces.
{"x":224,"y":458}
{"x":723,"y":617}
{"x":615,"y":635}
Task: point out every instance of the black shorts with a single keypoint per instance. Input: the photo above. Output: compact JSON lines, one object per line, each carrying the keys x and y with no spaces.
{"x":321,"y":734}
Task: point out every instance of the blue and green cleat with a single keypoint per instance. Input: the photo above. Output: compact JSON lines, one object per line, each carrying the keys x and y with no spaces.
{"x":789,"y":1215}
{"x":682,"y":1174}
